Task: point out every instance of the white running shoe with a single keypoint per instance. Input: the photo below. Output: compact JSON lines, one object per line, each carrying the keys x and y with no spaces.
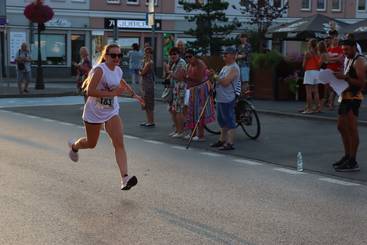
{"x":172,"y":133}
{"x":74,"y":156}
{"x":177,"y":135}
{"x":128,"y":182}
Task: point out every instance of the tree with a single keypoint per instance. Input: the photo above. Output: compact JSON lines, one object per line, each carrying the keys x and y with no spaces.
{"x":39,"y":13}
{"x":211,"y":31}
{"x":262,"y":13}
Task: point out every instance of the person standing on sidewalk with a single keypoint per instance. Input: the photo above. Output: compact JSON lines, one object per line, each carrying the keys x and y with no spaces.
{"x":227,"y":82}
{"x":83,"y":68}
{"x":103,"y":86}
{"x":335,"y":63}
{"x":311,"y":65}
{"x":355,"y":75}
{"x":243,"y":60}
{"x":147,"y":87}
{"x":135,"y":62}
{"x":23,"y":68}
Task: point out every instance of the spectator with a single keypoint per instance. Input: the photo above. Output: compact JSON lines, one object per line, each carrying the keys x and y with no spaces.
{"x":135,"y":62}
{"x":322,"y":50}
{"x":199,"y":88}
{"x":177,"y":75}
{"x":243,"y":60}
{"x":335,"y":63}
{"x":226,"y":82}
{"x":147,"y":74}
{"x":83,"y":68}
{"x":168,"y":43}
{"x":355,"y":75}
{"x":311,"y":65}
{"x":23,"y":68}
{"x":181,"y":47}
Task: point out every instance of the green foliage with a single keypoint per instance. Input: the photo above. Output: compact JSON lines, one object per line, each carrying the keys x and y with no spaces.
{"x":212,"y":29}
{"x":266,"y":60}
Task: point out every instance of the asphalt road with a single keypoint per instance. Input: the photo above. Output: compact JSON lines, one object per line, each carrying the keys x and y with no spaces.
{"x":280,"y":140}
{"x":183,"y":197}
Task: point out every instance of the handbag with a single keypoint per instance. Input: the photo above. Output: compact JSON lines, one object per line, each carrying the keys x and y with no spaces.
{"x":167,"y":95}
{"x":20,"y":65}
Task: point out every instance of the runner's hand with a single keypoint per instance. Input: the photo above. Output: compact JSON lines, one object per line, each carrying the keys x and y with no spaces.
{"x":139,"y":99}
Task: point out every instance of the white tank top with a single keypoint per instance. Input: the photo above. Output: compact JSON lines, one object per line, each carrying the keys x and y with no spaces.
{"x":100,"y":110}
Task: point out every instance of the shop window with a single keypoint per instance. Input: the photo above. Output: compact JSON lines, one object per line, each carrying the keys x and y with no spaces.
{"x":53,"y":49}
{"x":306,"y":5}
{"x":321,"y":5}
{"x":278,"y":3}
{"x":155,"y":2}
{"x":113,"y":1}
{"x":361,"y":5}
{"x":336,"y":5}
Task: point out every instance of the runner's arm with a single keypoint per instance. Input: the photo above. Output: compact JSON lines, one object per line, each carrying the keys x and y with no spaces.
{"x":92,"y":86}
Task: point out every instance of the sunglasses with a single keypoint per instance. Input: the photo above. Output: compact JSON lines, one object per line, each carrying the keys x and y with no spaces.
{"x":188,"y":56}
{"x":113,"y":56}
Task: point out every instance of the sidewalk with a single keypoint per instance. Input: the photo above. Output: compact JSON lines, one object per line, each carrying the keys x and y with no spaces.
{"x":67,"y":87}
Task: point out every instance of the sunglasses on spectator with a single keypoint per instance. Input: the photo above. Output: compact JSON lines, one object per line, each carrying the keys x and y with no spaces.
{"x":188,"y":56}
{"x":113,"y":56}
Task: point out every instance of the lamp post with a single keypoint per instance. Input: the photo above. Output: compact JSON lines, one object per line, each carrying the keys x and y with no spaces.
{"x":39,"y":13}
{"x":151,"y":23}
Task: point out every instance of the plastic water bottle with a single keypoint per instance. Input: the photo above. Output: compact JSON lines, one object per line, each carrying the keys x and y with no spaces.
{"x":299,"y":162}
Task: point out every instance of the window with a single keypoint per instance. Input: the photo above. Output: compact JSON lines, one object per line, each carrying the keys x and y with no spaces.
{"x":113,"y":1}
{"x":132,"y":2}
{"x":321,"y":5}
{"x":278,"y":3}
{"x":306,"y":5}
{"x":336,"y":5}
{"x":361,"y":5}
{"x":53,"y":49}
{"x":261,"y":3}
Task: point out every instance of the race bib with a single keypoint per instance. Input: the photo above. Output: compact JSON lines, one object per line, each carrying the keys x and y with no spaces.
{"x":105,"y":103}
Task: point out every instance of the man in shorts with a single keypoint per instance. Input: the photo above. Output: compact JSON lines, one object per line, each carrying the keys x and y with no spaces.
{"x":355,"y":75}
{"x":243,"y":60}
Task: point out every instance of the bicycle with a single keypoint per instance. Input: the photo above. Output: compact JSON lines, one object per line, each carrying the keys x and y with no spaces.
{"x":246,"y":116}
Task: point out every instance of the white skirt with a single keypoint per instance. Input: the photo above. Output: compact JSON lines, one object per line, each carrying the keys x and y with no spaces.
{"x":311,"y":77}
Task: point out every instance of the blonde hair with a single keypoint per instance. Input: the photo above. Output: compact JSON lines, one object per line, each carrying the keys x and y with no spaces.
{"x":100,"y":60}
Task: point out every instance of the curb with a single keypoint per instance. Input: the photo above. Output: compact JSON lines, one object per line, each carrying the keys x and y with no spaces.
{"x":296,"y":115}
{"x":39,"y":95}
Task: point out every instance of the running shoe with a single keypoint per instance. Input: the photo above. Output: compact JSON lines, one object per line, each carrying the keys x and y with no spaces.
{"x":349,"y":166}
{"x":73,"y":155}
{"x":128,"y":182}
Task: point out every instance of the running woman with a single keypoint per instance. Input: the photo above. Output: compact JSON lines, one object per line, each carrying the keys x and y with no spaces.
{"x":103,"y":86}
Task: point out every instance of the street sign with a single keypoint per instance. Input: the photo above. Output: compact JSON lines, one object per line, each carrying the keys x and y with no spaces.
{"x":130,"y":24}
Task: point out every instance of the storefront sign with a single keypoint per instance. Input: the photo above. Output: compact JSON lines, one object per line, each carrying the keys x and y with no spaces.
{"x":97,"y":33}
{"x":130,"y":24}
{"x":16,"y":40}
{"x":58,"y":22}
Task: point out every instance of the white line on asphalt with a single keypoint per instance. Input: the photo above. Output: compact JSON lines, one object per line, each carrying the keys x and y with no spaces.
{"x":48,"y":120}
{"x":33,"y":117}
{"x":154,"y":142}
{"x":210,"y":154}
{"x":66,"y":124}
{"x":248,"y":162}
{"x":339,"y":182}
{"x":288,"y":171}
{"x":178,"y":147}
{"x":131,"y":137}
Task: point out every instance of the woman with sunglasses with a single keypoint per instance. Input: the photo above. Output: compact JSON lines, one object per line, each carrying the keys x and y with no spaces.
{"x":103,"y":86}
{"x":199,"y":87}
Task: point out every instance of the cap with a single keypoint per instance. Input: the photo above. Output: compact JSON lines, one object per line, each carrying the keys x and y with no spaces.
{"x":230,"y":50}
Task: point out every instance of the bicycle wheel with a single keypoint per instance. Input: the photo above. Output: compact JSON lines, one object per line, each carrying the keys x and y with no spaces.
{"x":212,"y":128}
{"x":247,"y":118}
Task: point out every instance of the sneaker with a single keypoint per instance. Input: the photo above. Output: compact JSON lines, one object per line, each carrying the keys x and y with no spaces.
{"x":217,"y":144}
{"x":177,"y":135}
{"x":196,"y":138}
{"x":349,"y":166}
{"x":149,"y":125}
{"x":128,"y":182}
{"x":341,"y":161}
{"x":73,"y":155}
{"x":187,"y":137}
{"x":226,"y":147}
{"x":172,"y":133}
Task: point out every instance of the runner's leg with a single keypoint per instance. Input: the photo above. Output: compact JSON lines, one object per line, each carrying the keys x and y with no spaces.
{"x":89,"y":142}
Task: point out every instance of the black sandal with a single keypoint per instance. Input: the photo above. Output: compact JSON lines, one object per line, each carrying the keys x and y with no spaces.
{"x":226,"y":147}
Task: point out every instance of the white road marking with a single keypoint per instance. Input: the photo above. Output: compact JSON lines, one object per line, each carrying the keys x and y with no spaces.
{"x":210,"y":154}
{"x":248,"y":162}
{"x":339,"y":182}
{"x":131,"y":137}
{"x":33,"y":117}
{"x":48,"y":120}
{"x":154,"y":142}
{"x":66,"y":124}
{"x":288,"y":171}
{"x":178,"y":147}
